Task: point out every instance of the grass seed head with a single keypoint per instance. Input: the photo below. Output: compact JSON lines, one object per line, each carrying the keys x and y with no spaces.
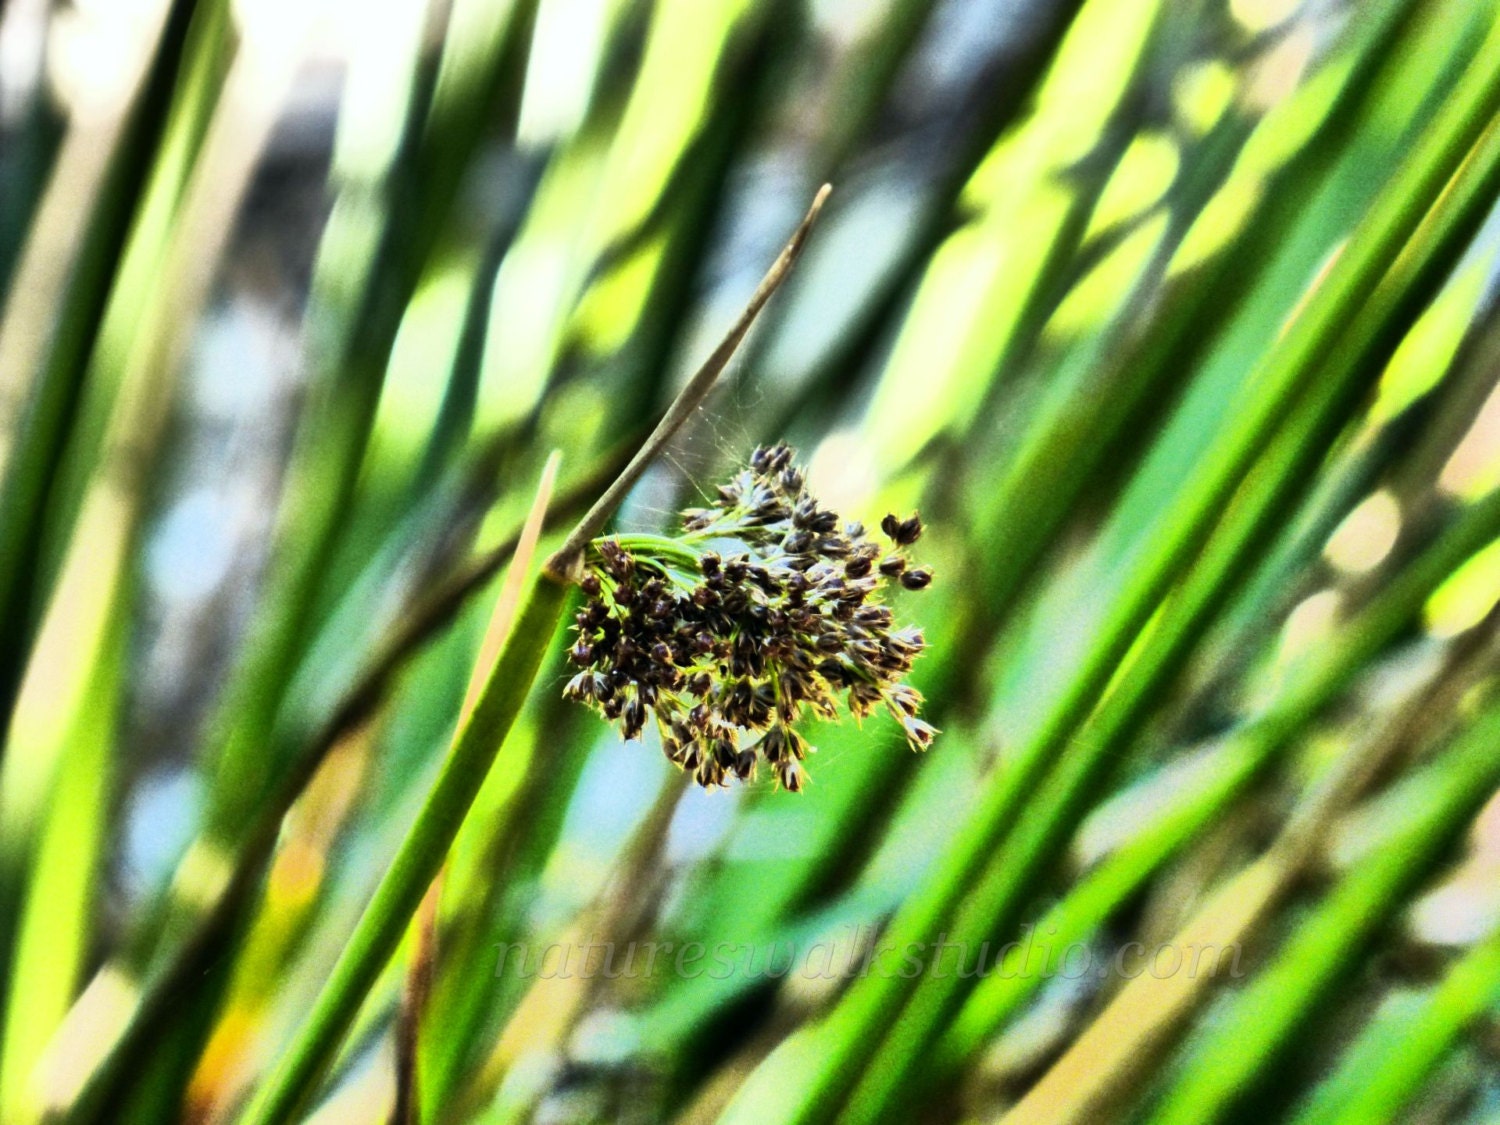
{"x":764,"y":608}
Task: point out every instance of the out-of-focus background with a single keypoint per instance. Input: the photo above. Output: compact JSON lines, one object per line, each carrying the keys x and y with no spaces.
{"x":1173,"y":317}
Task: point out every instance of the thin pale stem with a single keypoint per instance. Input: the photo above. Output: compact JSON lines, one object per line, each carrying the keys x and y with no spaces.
{"x":565,"y":563}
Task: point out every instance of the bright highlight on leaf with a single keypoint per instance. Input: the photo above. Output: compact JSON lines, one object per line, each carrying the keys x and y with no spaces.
{"x":1462,"y":601}
{"x":1366,"y":536}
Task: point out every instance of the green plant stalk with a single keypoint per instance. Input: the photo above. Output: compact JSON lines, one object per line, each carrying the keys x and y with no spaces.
{"x":1121,"y":1048}
{"x":416,"y":1009}
{"x":835,"y":1052}
{"x":1052,"y":814}
{"x":1358,"y":148}
{"x":748,"y":89}
{"x":479,"y":739}
{"x":1280,"y":583}
{"x":476,"y":95}
{"x":902,"y":1067}
{"x":940,"y":212}
{"x":1091,"y":901}
{"x":55,"y":302}
{"x":507,"y":849}
{"x":1239,"y":1046}
{"x":129,"y":381}
{"x":468,"y":999}
{"x":357,"y":307}
{"x":1034,"y":195}
{"x":419,"y":858}
{"x":1341,"y":196}
{"x":1405,"y":456}
{"x":654,"y":201}
{"x":1397,"y":1052}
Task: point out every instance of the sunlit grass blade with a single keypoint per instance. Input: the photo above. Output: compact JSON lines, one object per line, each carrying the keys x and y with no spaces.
{"x":1057,"y":807}
{"x":419,"y":859}
{"x":62,"y":730}
{"x":1072,"y":437}
{"x":1305,"y":690}
{"x":1005,"y":261}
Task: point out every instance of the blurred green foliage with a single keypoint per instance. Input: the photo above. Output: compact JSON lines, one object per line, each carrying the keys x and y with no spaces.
{"x":1176,"y":320}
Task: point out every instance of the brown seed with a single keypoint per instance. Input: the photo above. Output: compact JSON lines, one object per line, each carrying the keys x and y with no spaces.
{"x":917,"y":579}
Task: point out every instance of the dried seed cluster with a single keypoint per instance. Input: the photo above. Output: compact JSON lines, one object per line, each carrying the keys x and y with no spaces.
{"x":763,"y":608}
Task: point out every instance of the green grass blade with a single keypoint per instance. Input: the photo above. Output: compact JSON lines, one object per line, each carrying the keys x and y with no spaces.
{"x":420,"y":857}
{"x":1054,"y":811}
{"x":1231,"y":1060}
{"x":1398,"y":1050}
{"x":48,"y":372}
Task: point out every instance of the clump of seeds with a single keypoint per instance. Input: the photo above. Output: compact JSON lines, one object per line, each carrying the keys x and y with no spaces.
{"x":763,"y":608}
